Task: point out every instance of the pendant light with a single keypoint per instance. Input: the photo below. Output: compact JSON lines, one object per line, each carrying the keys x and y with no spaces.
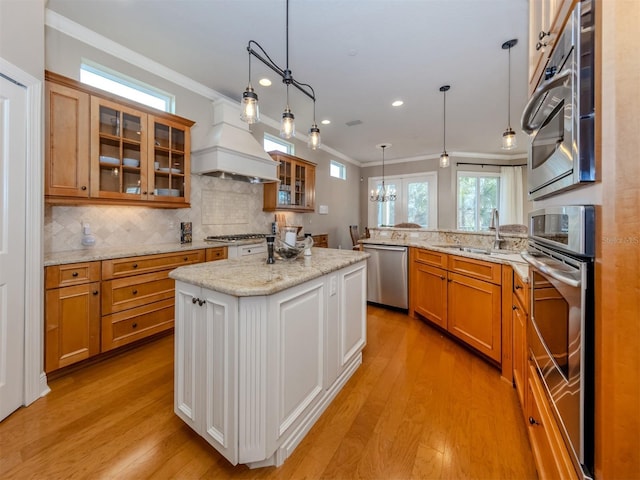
{"x":509,"y":141}
{"x":249,"y":103}
{"x":444,"y":156}
{"x":382,"y":193}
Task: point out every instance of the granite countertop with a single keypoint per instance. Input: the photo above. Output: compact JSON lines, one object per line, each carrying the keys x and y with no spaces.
{"x":252,"y":276}
{"x":107,"y":253}
{"x":505,"y":257}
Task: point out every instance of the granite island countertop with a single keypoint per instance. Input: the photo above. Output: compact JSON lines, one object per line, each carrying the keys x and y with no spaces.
{"x":252,"y":276}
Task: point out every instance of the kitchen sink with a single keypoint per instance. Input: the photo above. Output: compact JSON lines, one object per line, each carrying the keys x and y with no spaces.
{"x":505,"y":254}
{"x":463,"y":248}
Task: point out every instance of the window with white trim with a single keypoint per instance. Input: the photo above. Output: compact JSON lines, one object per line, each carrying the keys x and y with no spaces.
{"x":338,"y":170}
{"x":125,"y":86}
{"x":272,"y":143}
{"x":478,"y":194}
{"x":416,"y":201}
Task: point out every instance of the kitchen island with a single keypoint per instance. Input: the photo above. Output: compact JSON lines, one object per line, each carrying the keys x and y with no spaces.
{"x":261,"y":350}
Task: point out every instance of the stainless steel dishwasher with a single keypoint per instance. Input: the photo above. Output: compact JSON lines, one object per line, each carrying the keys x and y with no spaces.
{"x":387,"y":275}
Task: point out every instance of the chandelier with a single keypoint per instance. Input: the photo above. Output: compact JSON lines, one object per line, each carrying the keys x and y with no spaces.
{"x":250,"y":110}
{"x":383,"y":193}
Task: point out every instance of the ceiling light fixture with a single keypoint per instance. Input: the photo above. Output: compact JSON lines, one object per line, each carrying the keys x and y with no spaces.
{"x":444,"y":156}
{"x":250,"y":113}
{"x":509,"y":136}
{"x":383,"y":193}
{"x":397,"y":103}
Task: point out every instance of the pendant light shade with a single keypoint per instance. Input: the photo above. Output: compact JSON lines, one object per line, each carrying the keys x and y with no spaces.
{"x":509,"y":141}
{"x":314,"y":137}
{"x":287,"y":125}
{"x":250,"y":111}
{"x":444,"y":156}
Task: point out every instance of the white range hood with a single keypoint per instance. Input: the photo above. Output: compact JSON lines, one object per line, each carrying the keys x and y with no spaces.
{"x":231,"y":151}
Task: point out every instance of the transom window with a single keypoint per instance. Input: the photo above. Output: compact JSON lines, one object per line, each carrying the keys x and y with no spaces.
{"x":272,"y":143}
{"x":127,"y":87}
{"x":478,"y":195}
{"x":338,"y":170}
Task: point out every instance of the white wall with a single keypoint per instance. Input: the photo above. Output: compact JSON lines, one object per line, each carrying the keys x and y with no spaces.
{"x":22,"y":34}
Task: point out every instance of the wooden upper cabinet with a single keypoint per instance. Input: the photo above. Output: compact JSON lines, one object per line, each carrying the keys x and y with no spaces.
{"x":546,"y":20}
{"x":108,"y":150}
{"x":66,"y":141}
{"x":296,"y":190}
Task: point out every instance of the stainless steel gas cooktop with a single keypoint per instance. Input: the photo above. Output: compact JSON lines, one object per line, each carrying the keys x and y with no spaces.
{"x":235,"y":237}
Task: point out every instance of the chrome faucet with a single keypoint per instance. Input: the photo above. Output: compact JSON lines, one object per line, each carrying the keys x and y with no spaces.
{"x":495,"y":224}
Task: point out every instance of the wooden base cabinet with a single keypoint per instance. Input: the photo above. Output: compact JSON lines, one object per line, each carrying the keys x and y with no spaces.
{"x":520,"y":314}
{"x":461,"y":295}
{"x":72,"y":314}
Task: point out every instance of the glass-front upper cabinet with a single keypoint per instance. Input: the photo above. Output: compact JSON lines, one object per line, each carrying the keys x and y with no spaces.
{"x":118,"y":150}
{"x":296,"y":189}
{"x":169,"y":147}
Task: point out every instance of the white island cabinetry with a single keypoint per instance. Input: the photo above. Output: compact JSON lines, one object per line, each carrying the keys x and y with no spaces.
{"x":254,"y":372}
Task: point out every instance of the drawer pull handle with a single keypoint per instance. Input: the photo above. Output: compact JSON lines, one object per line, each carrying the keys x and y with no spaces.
{"x":533,"y":421}
{"x":186,"y":258}
{"x":518,"y":287}
{"x":134,"y":325}
{"x":96,"y":292}
{"x":200,"y":302}
{"x":514,"y":307}
{"x":74,"y":274}
{"x":135,"y":265}
{"x":194,"y":300}
{"x":135,"y":292}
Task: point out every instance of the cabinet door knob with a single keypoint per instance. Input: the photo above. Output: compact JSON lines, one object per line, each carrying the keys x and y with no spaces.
{"x":134,"y":325}
{"x":533,"y":421}
{"x":200,"y":302}
{"x":96,"y":292}
{"x":442,"y":277}
{"x":144,"y":193}
{"x":518,"y":287}
{"x":543,"y":34}
{"x":450,"y":280}
{"x":135,"y":292}
{"x":135,"y":265}
{"x":84,"y":187}
{"x":540,"y":45}
{"x":194,"y":300}
{"x":186,"y":258}
{"x":74,"y":274}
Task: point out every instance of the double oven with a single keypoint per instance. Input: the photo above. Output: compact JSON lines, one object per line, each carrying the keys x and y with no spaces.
{"x":561,"y":322}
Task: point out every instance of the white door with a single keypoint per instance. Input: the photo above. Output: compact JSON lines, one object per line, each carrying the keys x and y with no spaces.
{"x":13,"y":108}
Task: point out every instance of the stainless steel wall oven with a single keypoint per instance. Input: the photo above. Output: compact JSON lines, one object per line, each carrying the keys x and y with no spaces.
{"x":560,"y":332}
{"x":560,"y":116}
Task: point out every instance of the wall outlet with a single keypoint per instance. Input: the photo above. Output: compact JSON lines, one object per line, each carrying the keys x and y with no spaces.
{"x":323,"y":209}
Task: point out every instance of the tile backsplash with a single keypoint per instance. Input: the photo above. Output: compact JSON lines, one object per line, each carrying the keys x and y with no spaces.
{"x":217,"y":207}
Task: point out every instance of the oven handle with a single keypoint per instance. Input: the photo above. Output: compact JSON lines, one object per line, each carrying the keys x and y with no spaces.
{"x":554,"y":82}
{"x":571,"y":279}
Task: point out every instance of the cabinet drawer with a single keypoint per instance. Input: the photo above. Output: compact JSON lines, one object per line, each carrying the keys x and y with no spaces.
{"x":487,"y":271}
{"x":430,"y":257}
{"x":217,"y":253}
{"x":71,"y":274}
{"x":549,"y":450}
{"x":129,"y":292}
{"x":122,"y":267}
{"x":125,"y":327}
{"x":521,"y":290}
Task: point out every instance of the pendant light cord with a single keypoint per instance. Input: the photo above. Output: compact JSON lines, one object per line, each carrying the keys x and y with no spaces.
{"x":444,"y":122}
{"x":509,"y":90}
{"x":287,"y":41}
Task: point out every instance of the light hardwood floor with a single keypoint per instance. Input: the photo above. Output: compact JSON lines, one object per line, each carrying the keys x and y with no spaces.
{"x":420,"y":406}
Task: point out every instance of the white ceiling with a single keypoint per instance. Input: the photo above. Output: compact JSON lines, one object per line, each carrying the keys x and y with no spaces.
{"x":359,"y":56}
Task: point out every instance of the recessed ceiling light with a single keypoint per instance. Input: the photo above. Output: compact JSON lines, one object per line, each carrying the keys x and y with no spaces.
{"x":265,"y":82}
{"x":325,"y":122}
{"x":397,"y":103}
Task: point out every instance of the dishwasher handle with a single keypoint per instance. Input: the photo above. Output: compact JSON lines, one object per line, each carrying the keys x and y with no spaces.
{"x":392,"y":248}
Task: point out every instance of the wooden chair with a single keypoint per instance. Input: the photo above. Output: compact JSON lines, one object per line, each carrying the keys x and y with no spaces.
{"x":355,"y":236}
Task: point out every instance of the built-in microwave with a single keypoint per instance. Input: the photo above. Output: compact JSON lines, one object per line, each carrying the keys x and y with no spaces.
{"x":559,"y":116}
